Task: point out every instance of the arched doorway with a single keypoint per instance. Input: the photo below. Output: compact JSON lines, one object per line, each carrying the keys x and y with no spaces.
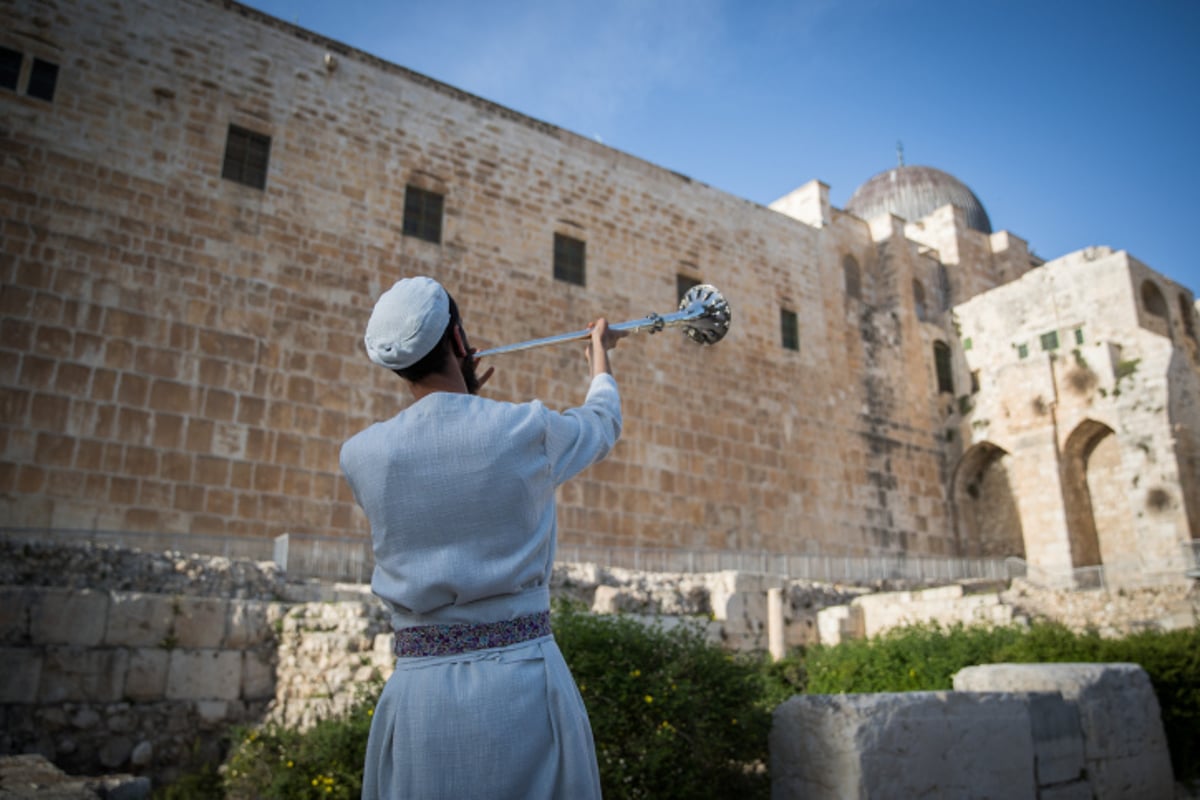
{"x":987,"y":518}
{"x":1099,"y":522}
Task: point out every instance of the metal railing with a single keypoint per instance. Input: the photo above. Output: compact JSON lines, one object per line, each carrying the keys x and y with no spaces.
{"x":825,"y":568}
{"x":305,"y":556}
{"x":343,"y":560}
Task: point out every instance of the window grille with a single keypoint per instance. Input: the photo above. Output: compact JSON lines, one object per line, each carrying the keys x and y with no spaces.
{"x":246,"y":157}
{"x":570,"y":260}
{"x":423,"y":212}
{"x":789,"y":328}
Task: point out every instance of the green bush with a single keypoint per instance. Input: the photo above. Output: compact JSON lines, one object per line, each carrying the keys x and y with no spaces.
{"x":324,"y":761}
{"x":672,"y":715}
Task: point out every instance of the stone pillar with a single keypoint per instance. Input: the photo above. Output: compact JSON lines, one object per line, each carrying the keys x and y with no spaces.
{"x":775,"y":629}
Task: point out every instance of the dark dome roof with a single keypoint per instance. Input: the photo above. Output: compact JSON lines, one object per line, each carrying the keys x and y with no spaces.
{"x":915,"y":192}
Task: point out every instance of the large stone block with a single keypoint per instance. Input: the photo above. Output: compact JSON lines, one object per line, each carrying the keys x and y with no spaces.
{"x":1057,"y":739}
{"x":74,"y":617}
{"x":1125,"y":748}
{"x":15,"y":607}
{"x":79,"y":675}
{"x":200,"y":622}
{"x":146,"y":679}
{"x":204,"y":675}
{"x":138,"y":620}
{"x":918,"y":744}
{"x":19,"y":675}
{"x":258,"y":675}
{"x":249,"y":624}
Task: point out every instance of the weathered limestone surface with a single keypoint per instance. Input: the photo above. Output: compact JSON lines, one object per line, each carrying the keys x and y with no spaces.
{"x":1125,"y":749}
{"x":182,"y":352}
{"x":32,"y":777}
{"x":920,"y":744}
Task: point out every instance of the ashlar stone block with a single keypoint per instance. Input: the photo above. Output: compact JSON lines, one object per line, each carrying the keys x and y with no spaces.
{"x":73,"y":674}
{"x":138,"y":620}
{"x":15,"y":607}
{"x":146,"y":679}
{"x":248,"y":624}
{"x":258,"y":675}
{"x":75,"y":617}
{"x":204,"y":675}
{"x":1125,"y":748}
{"x":916,"y":744}
{"x":200,"y":622}
{"x":19,"y":675}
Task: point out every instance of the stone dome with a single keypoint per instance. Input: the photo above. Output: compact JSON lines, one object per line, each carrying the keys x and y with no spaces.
{"x":915,"y":192}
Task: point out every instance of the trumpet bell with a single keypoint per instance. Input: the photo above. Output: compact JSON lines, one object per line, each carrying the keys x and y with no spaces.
{"x":708,"y":312}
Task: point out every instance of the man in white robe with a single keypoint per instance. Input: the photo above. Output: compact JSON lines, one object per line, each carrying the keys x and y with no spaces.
{"x":459,"y":491}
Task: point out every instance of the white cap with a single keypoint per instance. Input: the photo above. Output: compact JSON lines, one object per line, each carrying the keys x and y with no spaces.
{"x":408,"y":321}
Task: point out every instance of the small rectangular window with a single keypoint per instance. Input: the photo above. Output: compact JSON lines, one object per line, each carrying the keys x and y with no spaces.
{"x":10,"y":68}
{"x":967,"y":344}
{"x":1050,"y":340}
{"x":1079,"y":336}
{"x":246,"y":157}
{"x":42,"y":79}
{"x":682,"y":284}
{"x":789,"y":329}
{"x":1022,"y":351}
{"x":943,"y":367}
{"x":570,"y":260}
{"x":423,"y":214}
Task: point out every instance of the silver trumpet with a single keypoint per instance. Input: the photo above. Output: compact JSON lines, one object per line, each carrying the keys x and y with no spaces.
{"x":703,"y":314}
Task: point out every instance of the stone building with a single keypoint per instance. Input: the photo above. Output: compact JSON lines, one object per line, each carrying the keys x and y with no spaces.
{"x":199,"y":204}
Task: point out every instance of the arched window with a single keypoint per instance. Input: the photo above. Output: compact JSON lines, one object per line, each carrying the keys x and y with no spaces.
{"x":1153,"y":300}
{"x":945,"y":373}
{"x":853,"y":277}
{"x":918,"y":290}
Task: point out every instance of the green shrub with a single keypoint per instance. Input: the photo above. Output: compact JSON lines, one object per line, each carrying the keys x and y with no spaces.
{"x":324,"y":761}
{"x":917,"y":658}
{"x":672,"y":715}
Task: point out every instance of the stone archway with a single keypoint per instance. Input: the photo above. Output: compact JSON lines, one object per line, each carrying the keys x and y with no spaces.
{"x":987,"y":519}
{"x":1098,"y":518}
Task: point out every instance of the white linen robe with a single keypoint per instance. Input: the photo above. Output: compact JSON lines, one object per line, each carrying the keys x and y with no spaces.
{"x":459,"y":491}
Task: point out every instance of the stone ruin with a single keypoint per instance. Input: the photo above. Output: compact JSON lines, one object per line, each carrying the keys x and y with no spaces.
{"x":117,"y":661}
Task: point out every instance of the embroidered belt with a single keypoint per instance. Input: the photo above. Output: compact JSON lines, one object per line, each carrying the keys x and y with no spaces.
{"x":446,"y":640}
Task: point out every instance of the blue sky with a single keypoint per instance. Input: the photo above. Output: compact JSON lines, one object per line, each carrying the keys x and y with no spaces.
{"x":1076,"y":123}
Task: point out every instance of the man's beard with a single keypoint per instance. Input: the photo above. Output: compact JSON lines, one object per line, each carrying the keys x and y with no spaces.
{"x":468,"y":372}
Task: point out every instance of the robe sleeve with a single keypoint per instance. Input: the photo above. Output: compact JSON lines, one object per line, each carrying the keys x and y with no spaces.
{"x":579,"y":437}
